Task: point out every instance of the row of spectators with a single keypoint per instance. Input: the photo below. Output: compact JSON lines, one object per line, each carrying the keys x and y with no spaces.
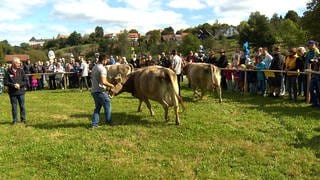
{"x":76,"y":74}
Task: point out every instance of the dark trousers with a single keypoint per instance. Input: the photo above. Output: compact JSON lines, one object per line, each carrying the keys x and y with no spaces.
{"x":179,"y":78}
{"x":315,"y":91}
{"x":223,"y":81}
{"x":302,"y":84}
{"x":52,"y":82}
{"x":20,"y":100}
{"x":292,"y":87}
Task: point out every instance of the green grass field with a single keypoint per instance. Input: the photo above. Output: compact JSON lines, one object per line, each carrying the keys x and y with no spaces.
{"x":247,"y":137}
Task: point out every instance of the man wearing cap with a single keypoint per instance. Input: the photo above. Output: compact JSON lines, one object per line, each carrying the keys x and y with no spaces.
{"x":16,"y":81}
{"x":276,"y":64}
{"x":222,"y":63}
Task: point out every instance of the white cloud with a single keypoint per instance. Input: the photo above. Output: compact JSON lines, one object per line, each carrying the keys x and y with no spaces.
{"x":142,"y":4}
{"x":58,"y":29}
{"x":5,"y":27}
{"x":233,"y":12}
{"x":187,"y":4}
{"x":98,"y":11}
{"x":17,"y":9}
{"x":115,"y":15}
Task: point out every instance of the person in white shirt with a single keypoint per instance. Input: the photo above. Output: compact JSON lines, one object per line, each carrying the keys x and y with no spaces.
{"x":60,"y":75}
{"x":84,"y":74}
{"x":98,"y":91}
{"x":177,"y":66}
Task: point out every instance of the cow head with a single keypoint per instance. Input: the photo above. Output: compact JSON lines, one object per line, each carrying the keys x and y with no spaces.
{"x":122,"y":85}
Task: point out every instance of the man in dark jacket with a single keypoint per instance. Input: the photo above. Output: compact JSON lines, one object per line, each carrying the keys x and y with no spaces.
{"x":16,"y":81}
{"x":277,"y":63}
{"x":222,"y":63}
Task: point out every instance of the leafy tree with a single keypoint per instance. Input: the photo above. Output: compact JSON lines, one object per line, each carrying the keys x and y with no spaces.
{"x":74,"y":39}
{"x":293,"y":16}
{"x":310,"y":20}
{"x":209,"y":43}
{"x":6,"y":48}
{"x":36,"y":55}
{"x":167,"y":31}
{"x":260,"y":33}
{"x":99,"y":33}
{"x":54,"y":43}
{"x":1,"y":53}
{"x":25,"y":46}
{"x":244,"y":32}
{"x":154,"y":36}
{"x":291,"y":34}
{"x":190,"y":42}
{"x":275,"y":20}
{"x":133,"y":31}
{"x":104,"y":45}
{"x":123,"y":44}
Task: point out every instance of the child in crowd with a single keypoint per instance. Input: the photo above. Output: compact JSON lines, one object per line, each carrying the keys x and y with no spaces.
{"x":34,"y":83}
{"x":260,"y":65}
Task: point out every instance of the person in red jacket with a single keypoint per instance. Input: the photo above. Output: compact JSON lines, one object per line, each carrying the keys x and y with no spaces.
{"x":16,"y":81}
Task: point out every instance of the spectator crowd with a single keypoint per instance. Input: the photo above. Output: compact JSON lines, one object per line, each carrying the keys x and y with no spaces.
{"x":75,"y":73}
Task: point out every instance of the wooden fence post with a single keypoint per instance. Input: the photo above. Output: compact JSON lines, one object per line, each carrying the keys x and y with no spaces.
{"x":308,"y":84}
{"x":64,"y":81}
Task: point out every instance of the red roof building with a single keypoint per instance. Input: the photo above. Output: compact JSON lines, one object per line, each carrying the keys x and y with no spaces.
{"x":22,"y":57}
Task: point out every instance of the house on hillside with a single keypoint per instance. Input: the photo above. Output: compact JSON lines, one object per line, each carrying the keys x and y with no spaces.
{"x":168,"y":37}
{"x":62,"y":36}
{"x":133,"y":36}
{"x":179,"y":37}
{"x":231,"y":31}
{"x":36,"y":43}
{"x":227,"y":32}
{"x":110,"y":36}
{"x":22,"y":57}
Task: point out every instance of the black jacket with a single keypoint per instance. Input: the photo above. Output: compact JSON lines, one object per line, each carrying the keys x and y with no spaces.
{"x":222,"y":62}
{"x":277,"y":62}
{"x":12,"y":78}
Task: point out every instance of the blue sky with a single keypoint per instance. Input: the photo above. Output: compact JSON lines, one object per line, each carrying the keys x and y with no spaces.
{"x":22,"y":19}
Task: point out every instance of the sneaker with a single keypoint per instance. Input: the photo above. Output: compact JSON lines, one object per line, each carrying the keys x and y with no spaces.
{"x":14,"y":123}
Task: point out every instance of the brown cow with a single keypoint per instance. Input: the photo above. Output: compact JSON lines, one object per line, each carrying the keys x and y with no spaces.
{"x":155,"y":83}
{"x":203,"y":77}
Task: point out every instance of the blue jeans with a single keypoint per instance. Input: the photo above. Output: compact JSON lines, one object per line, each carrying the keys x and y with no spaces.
{"x":20,"y":100}
{"x":314,"y":90}
{"x":101,"y":99}
{"x":262,"y":86}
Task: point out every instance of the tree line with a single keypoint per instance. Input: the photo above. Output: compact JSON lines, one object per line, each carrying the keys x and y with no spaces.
{"x":259,"y":30}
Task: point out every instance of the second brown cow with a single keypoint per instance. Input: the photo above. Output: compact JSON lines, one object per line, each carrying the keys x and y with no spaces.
{"x":203,"y":77}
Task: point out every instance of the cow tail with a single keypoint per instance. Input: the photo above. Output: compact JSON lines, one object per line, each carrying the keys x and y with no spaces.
{"x":180,"y":101}
{"x":175,"y":87}
{"x":216,"y":80}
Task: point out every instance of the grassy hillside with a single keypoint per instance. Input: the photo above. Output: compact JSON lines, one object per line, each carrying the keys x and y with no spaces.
{"x":244,"y":137}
